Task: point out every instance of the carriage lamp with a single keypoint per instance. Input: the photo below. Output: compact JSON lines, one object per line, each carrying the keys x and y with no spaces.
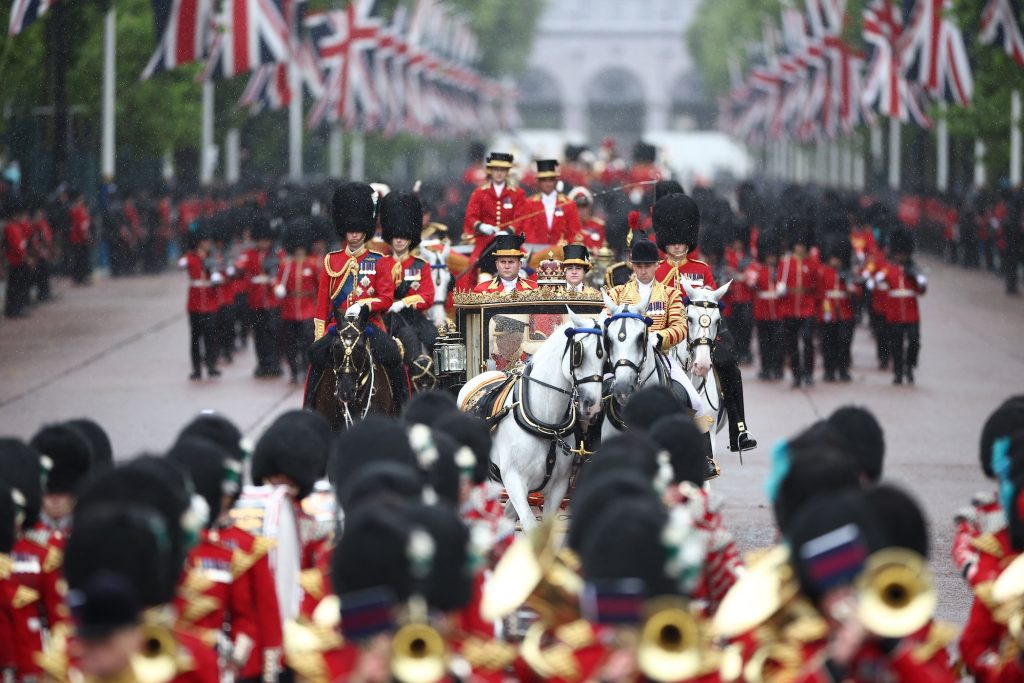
{"x":450,"y":352}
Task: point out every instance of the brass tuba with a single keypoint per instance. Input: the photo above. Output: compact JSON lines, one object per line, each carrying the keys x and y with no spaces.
{"x":418,"y":654}
{"x":895,"y":593}
{"x":1008,"y":599}
{"x":671,"y":646}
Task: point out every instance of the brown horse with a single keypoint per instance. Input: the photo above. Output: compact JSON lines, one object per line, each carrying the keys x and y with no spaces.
{"x":354,"y":384}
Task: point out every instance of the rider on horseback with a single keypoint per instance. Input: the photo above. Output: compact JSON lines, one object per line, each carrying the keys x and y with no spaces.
{"x":676,"y":225}
{"x":401,"y":223}
{"x":357,"y":282}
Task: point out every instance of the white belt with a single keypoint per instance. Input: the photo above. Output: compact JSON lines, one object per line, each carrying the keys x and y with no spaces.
{"x":260,"y":280}
{"x":837,"y":294}
{"x":767,"y":295}
{"x":902,"y":293}
{"x":199,"y":283}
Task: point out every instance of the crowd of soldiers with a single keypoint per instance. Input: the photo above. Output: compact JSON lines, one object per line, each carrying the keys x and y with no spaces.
{"x":174,"y":565}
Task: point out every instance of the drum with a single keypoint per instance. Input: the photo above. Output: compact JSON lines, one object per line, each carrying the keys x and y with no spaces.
{"x":268,"y":511}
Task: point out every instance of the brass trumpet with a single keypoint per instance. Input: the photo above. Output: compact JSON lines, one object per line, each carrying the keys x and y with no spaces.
{"x":670,"y":647}
{"x":418,"y":654}
{"x":895,"y":593}
{"x":158,"y":660}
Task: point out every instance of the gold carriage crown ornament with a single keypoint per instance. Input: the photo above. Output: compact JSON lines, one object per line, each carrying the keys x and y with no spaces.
{"x":549,"y":272}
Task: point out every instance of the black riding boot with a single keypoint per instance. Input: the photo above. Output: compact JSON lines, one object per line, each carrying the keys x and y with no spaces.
{"x":731,"y":382}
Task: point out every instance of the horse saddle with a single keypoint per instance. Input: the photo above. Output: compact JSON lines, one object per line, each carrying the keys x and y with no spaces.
{"x":487,"y":399}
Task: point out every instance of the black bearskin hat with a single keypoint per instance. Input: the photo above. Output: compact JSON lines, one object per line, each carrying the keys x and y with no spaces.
{"x":291,"y":450}
{"x":649,"y":404}
{"x":449,"y":584}
{"x":862,"y":438}
{"x":316,"y":423}
{"x":676,"y":220}
{"x":374,"y":439}
{"x":379,"y":482}
{"x":21,"y":466}
{"x":1005,"y":421}
{"x":218,"y":429}
{"x":298,"y":234}
{"x":664,"y":188}
{"x":799,"y":230}
{"x":8,"y":518}
{"x":354,"y":209}
{"x":427,"y":407}
{"x":905,"y":525}
{"x":206,"y":465}
{"x":812,"y":471}
{"x":644,"y":153}
{"x":373,"y":551}
{"x":70,"y":454}
{"x":471,"y":432}
{"x":768,"y":244}
{"x":260,"y":227}
{"x":597,"y":492}
{"x":687,"y":447}
{"x":838,"y":246}
{"x":401,"y":215}
{"x":901,"y":241}
{"x":712,"y":242}
{"x":102,"y":451}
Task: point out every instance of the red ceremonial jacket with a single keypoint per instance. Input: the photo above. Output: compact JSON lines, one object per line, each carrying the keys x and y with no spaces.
{"x":764,"y":282}
{"x":486,"y":206}
{"x":672,"y":273}
{"x":16,"y":243}
{"x":736,"y":262}
{"x":901,"y":305}
{"x":260,"y":289}
{"x":495,"y":287}
{"x":299,"y":279}
{"x":565,"y":224}
{"x":37,"y":600}
{"x":201,"y":297}
{"x":800,"y":276}
{"x":836,"y":296}
{"x":80,"y":222}
{"x":346,"y":279}
{"x":414,"y":282}
{"x":593,"y":234}
{"x":982,"y":519}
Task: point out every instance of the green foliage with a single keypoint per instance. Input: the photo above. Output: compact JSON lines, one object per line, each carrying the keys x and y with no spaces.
{"x":723,"y":30}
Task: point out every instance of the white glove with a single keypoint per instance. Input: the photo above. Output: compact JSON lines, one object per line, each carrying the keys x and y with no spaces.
{"x":922,"y":281}
{"x":780,"y":289}
{"x":279,"y":291}
{"x":183,"y":262}
{"x":656,"y":338}
{"x":353,"y":311}
{"x":216,"y":278}
{"x":231,"y":271}
{"x":397,"y":307}
{"x":487,"y":229}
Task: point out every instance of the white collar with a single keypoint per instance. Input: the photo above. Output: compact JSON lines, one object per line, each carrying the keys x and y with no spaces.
{"x":508,"y":284}
{"x":498,"y":189}
{"x":644,"y":288}
{"x":549,"y":198}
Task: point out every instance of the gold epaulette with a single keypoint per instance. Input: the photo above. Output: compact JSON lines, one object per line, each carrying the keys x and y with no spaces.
{"x":940,"y":634}
{"x":989,"y":544}
{"x":198,"y":606}
{"x":311,"y":582}
{"x":241,"y":562}
{"x":6,"y":565}
{"x":374,"y":251}
{"x":578,"y":634}
{"x":262,"y":545}
{"x":24,"y":597}
{"x":54,"y":560}
{"x":983,"y":591}
{"x":493,"y":655}
{"x":54,"y":659}
{"x":697,"y":261}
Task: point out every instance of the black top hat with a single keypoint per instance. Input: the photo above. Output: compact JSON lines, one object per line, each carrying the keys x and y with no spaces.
{"x":644,"y":251}
{"x":354,"y":209}
{"x":576,"y":255}
{"x":401,"y":215}
{"x":508,"y":245}
{"x":499,"y":160}
{"x":547,"y":168}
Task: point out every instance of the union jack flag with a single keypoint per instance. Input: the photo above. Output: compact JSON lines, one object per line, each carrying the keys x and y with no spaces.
{"x":345,"y":40}
{"x":268,"y":87}
{"x":249,"y":33}
{"x":25,"y":12}
{"x":999,"y":24}
{"x":934,"y":53}
{"x":887,"y":89}
{"x":183,"y":27}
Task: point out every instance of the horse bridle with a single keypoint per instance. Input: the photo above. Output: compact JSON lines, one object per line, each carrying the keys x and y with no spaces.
{"x":574,"y":348}
{"x":704,"y":339}
{"x":625,"y":362}
{"x":348,"y":367}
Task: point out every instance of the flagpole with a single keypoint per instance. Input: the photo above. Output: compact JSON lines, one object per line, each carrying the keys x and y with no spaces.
{"x":358,"y":168}
{"x":942,"y":150}
{"x":895,"y":151}
{"x":232,"y":156}
{"x":206,"y":135}
{"x":979,"y":163}
{"x":294,"y":122}
{"x":876,"y":149}
{"x":1015,"y":139}
{"x":335,"y":151}
{"x":107,"y":159}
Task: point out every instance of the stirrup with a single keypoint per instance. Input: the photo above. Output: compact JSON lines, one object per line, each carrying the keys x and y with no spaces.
{"x":744,"y":441}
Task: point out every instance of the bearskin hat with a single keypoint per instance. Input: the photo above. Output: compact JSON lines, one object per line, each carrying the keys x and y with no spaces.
{"x":901,"y":241}
{"x":649,"y":404}
{"x":291,"y":450}
{"x":70,"y":455}
{"x":768,"y":244}
{"x":206,"y":465}
{"x":597,"y":491}
{"x":317,"y":424}
{"x":21,"y":466}
{"x":106,"y":603}
{"x":427,"y":407}
{"x":470,"y":432}
{"x":1004,"y":421}
{"x":381,"y":481}
{"x":688,"y":449}
{"x":260,"y":228}
{"x":712,"y":242}
{"x":401,"y":215}
{"x":373,"y":439}
{"x":811,"y":472}
{"x":644,"y":153}
{"x":9,"y":509}
{"x":905,"y":524}
{"x":373,"y":552}
{"x":354,"y":209}
{"x":298,"y":234}
{"x":799,"y":230}
{"x":129,"y":541}
{"x":664,"y":188}
{"x":676,"y":220}
{"x":449,"y":583}
{"x":102,"y":451}
{"x":218,"y":429}
{"x":862,"y":437}
{"x":625,"y":542}
{"x":838,"y":246}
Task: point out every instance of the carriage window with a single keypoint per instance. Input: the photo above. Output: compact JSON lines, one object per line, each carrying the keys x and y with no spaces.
{"x":513,"y":338}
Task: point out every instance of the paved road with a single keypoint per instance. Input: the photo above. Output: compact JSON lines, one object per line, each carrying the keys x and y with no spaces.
{"x":117,"y":351}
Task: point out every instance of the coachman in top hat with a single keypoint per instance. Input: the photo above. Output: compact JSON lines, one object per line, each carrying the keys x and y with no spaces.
{"x":492,"y":207}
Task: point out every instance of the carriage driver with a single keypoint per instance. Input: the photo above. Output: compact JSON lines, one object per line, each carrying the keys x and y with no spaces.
{"x":575,"y":265}
{"x":676,"y":221}
{"x":356,"y":281}
{"x":665,"y":309}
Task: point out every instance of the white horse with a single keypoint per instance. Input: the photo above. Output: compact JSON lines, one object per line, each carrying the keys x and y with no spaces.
{"x":703,"y":318}
{"x":435,"y":253}
{"x":634,"y":364}
{"x":559,"y":390}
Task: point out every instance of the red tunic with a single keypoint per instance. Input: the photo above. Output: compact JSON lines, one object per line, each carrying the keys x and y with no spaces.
{"x":764,"y":280}
{"x":201,"y":297}
{"x":41,"y":239}
{"x":346,"y":279}
{"x":800,"y":277}
{"x":984,"y":516}
{"x":696,"y":273}
{"x":564,"y":227}
{"x":901,"y":305}
{"x":736,"y":262}
{"x":80,"y":222}
{"x":298,"y":279}
{"x":260,"y":288}
{"x":919,"y":658}
{"x":414,"y":281}
{"x":495,"y":287}
{"x":486,"y":206}
{"x":593,"y":234}
{"x":37,"y":600}
{"x":836,"y":296}
{"x":16,"y":235}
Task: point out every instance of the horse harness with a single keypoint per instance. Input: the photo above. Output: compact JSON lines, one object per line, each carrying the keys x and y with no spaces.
{"x":704,"y":323}
{"x":524,"y":416}
{"x":364,"y":380}
{"x":611,"y":405}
